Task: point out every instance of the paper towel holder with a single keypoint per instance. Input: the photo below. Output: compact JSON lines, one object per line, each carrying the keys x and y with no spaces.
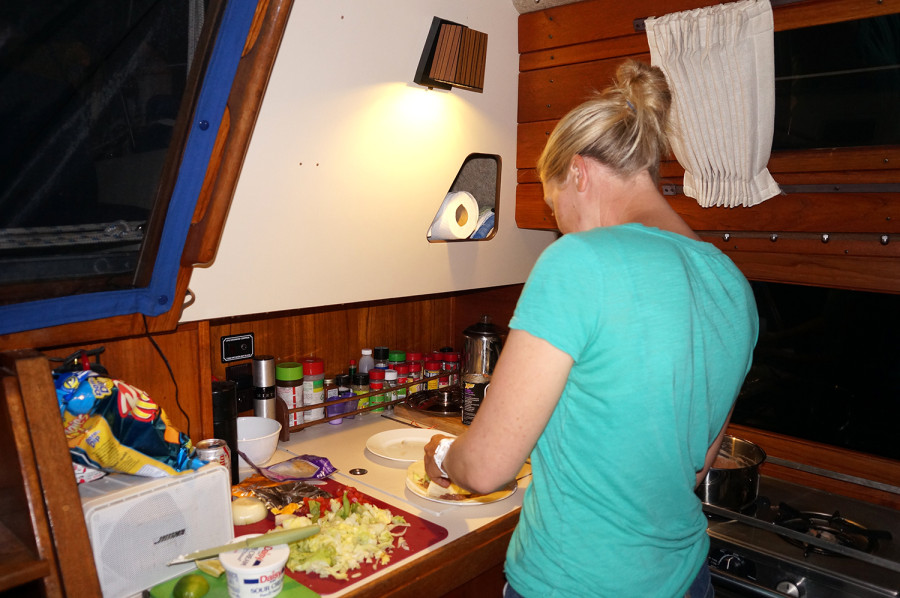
{"x":479,"y":177}
{"x":454,"y":56}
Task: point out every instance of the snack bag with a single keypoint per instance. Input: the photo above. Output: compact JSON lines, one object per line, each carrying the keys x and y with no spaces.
{"x":115,"y":427}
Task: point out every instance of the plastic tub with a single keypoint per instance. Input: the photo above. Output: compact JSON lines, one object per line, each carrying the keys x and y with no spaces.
{"x":255,"y":572}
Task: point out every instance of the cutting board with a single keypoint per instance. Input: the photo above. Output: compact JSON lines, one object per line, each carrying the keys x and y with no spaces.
{"x":420,"y":535}
{"x":218,"y":587}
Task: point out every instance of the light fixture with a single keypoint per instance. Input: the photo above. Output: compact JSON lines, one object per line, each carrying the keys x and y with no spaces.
{"x":454,"y":56}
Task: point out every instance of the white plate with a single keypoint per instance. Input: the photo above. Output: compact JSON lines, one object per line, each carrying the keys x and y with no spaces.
{"x":417,"y":470}
{"x":407,"y":444}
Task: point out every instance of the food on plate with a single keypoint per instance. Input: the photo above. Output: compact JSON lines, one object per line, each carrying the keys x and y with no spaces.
{"x":191,"y":586}
{"x":453,"y":492}
{"x":247,"y":510}
{"x":352,"y":532}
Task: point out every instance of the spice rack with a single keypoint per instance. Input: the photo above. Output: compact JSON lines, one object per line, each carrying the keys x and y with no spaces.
{"x":283,"y":413}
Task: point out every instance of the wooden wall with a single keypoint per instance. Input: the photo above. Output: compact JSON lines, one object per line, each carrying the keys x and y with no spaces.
{"x":568,"y":51}
{"x":334,"y":333}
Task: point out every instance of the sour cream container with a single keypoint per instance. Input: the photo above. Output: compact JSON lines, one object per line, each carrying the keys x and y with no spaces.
{"x":255,"y":572}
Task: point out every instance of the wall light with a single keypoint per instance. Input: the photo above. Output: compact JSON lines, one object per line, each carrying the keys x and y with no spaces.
{"x":454,"y":56}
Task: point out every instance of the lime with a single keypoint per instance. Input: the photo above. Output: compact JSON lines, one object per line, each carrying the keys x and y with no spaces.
{"x":191,"y":586}
{"x":211,"y":567}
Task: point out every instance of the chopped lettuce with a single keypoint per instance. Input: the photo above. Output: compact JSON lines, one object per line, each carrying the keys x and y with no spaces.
{"x":350,"y":534}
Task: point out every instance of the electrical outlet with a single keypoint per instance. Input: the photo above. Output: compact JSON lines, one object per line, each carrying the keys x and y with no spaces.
{"x":237,"y":347}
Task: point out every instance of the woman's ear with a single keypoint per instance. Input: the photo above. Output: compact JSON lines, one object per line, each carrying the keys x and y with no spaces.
{"x":578,"y":172}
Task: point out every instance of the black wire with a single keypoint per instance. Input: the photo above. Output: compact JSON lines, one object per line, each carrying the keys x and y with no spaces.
{"x":171,"y":374}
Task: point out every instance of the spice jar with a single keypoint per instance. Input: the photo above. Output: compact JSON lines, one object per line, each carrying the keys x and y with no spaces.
{"x":381,"y":355}
{"x":451,"y":364}
{"x":432,"y":369}
{"x":390,"y":383}
{"x":289,"y":388}
{"x":359,"y":384}
{"x":395,"y":358}
{"x":313,"y":388}
{"x":376,"y":382}
{"x":415,"y":374}
{"x":402,"y":370}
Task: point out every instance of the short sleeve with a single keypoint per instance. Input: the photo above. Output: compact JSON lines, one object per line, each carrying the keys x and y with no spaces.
{"x":564,"y":282}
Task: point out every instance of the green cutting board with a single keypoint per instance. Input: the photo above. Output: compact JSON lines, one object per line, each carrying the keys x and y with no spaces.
{"x":218,"y":587}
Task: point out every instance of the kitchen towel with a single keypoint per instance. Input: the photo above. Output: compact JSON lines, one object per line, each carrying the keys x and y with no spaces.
{"x":457,"y":217}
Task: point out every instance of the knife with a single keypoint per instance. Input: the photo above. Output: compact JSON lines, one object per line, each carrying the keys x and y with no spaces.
{"x":271,"y":539}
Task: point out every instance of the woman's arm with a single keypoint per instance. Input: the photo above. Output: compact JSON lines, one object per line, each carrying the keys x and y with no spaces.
{"x":713,"y":450}
{"x":526,"y":385}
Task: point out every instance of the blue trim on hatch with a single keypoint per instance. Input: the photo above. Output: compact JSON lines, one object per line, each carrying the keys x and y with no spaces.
{"x":157,"y":297}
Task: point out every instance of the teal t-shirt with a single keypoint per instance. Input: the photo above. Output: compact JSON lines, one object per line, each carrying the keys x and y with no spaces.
{"x":661,"y":329}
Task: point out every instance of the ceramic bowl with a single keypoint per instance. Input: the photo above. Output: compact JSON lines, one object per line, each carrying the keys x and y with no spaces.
{"x":257,"y":438}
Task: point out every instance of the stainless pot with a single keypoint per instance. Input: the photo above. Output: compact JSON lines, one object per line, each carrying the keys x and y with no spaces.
{"x":733,"y":480}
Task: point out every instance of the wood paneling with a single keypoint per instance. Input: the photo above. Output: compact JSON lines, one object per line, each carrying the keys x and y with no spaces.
{"x":828,"y":458}
{"x":592,"y":20}
{"x":136,"y":360}
{"x":549,"y":94}
{"x":570,"y":50}
{"x":337,"y":334}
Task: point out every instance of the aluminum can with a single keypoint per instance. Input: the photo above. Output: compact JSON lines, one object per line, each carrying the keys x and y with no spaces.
{"x":474,"y":389}
{"x":215,"y":450}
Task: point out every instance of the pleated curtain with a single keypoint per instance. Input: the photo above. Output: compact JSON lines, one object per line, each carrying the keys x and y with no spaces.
{"x":720,"y":65}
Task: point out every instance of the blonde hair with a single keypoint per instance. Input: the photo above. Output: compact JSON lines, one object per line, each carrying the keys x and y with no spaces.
{"x":625,"y":126}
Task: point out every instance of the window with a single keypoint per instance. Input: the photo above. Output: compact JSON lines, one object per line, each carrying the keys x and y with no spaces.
{"x":110,"y":110}
{"x":838,"y":85}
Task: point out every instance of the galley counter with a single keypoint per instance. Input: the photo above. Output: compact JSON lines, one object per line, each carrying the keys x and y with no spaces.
{"x":477,"y":536}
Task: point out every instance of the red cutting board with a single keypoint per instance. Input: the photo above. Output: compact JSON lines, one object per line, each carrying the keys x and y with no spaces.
{"x":420,"y":535}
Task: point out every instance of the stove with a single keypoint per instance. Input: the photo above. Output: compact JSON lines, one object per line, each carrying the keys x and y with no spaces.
{"x":804,"y":543}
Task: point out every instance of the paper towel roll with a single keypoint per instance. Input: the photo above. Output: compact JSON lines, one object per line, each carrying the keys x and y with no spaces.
{"x":456,"y":218}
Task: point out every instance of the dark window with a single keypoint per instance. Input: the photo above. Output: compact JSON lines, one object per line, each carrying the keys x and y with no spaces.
{"x":838,"y":85}
{"x":90,"y":92}
{"x":826,"y":367}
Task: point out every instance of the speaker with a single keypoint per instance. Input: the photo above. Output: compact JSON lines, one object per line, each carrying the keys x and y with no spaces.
{"x":137,"y":524}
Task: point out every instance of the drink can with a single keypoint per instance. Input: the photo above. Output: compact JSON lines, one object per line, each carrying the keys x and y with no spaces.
{"x":474,"y":389}
{"x":214,"y":450}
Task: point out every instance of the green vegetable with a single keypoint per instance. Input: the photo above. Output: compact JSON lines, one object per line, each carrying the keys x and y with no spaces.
{"x":314,"y":510}
{"x":350,"y":534}
{"x":345,"y":509}
{"x":191,"y":586}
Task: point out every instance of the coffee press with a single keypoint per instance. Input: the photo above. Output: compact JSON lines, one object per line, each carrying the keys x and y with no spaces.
{"x":482,"y":349}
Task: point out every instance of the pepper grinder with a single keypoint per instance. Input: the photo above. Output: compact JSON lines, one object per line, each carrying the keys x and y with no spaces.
{"x":264,"y":386}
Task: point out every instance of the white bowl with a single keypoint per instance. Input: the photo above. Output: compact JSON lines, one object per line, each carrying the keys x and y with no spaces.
{"x":257,"y":438}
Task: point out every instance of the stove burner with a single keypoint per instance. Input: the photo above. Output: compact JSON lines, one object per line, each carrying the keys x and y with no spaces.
{"x":833,"y":528}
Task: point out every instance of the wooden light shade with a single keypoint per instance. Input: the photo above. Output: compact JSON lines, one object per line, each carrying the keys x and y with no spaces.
{"x":454,"y":56}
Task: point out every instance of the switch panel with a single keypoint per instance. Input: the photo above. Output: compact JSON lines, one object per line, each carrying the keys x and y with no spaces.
{"x":237,"y":347}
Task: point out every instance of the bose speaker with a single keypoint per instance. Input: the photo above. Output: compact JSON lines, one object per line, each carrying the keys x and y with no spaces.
{"x":137,"y":525}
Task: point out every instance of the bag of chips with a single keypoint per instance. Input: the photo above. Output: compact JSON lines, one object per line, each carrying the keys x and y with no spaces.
{"x":115,"y":427}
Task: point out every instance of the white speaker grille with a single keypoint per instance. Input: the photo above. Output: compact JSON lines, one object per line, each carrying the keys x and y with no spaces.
{"x":136,"y":532}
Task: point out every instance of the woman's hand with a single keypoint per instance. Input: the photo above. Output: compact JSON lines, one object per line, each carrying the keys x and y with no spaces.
{"x":431,"y":467}
{"x":525,"y":388}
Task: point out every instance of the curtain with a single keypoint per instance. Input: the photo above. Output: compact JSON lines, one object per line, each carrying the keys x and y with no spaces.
{"x":720,"y":65}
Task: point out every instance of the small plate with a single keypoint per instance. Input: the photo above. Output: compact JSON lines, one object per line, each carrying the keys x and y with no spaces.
{"x":407,"y":444}
{"x":416,"y":472}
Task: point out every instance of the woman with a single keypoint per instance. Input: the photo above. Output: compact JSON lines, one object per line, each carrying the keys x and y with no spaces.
{"x":628,"y":346}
